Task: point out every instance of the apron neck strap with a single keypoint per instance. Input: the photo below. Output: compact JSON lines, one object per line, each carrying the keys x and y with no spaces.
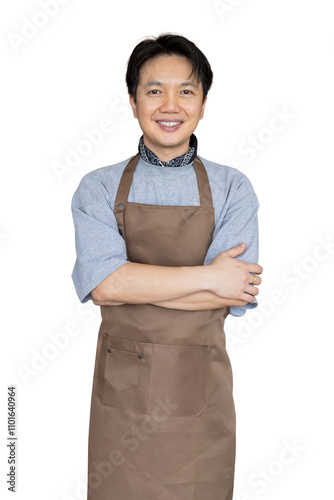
{"x":204,"y":188}
{"x":203,"y":183}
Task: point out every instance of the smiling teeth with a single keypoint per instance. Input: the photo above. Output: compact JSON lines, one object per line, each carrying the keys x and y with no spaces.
{"x":169,"y":124}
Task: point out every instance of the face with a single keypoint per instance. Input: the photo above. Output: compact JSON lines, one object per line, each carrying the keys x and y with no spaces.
{"x":169,"y":105}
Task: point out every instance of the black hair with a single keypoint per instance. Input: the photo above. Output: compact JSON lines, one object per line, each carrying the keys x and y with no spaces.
{"x":168,"y":44}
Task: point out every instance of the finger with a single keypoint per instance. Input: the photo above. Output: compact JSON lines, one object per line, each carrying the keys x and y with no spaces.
{"x":251,"y":289}
{"x":255,"y":268}
{"x":247,"y":297}
{"x":235,"y":251}
{"x":255,"y":280}
{"x":252,"y":278}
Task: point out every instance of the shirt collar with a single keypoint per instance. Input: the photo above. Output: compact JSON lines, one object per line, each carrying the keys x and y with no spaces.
{"x":147,"y":155}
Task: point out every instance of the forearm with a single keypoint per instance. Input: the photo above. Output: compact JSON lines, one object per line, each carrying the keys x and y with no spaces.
{"x":199,"y":301}
{"x":225,"y":277}
{"x":136,"y":283}
{"x":193,"y":302}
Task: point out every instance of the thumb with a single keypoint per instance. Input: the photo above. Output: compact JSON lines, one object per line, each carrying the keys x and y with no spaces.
{"x":235,"y":251}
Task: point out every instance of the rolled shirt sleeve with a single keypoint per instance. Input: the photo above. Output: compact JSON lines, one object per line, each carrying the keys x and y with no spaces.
{"x":238,"y":222}
{"x":100,"y":248}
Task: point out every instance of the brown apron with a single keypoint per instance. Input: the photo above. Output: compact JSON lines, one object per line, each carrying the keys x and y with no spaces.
{"x":162,"y":422}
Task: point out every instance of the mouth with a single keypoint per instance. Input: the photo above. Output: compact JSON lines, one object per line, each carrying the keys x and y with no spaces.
{"x":169,"y":125}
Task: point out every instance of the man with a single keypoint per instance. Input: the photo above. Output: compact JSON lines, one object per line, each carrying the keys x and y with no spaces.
{"x":167,"y":245}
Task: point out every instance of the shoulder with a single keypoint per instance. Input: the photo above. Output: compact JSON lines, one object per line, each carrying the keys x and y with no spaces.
{"x":102,"y":180}
{"x":223,"y":172}
{"x":105,"y":174}
{"x":231,"y":179}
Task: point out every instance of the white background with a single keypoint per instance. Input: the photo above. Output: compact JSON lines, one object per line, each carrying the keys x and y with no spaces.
{"x":268,"y":57}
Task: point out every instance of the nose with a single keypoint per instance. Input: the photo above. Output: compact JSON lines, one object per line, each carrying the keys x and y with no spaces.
{"x":170,"y":104}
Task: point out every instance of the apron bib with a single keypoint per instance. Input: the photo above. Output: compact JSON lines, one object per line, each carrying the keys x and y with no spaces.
{"x":162,"y":420}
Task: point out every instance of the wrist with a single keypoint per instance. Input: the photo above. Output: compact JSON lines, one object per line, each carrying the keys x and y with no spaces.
{"x":199,"y":278}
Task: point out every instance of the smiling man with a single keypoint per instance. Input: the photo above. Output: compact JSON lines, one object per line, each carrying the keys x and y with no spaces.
{"x":168,"y":109}
{"x":167,"y":246}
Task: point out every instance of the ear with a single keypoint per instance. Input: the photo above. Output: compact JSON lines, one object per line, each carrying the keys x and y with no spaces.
{"x":203,"y":108}
{"x":133,"y":106}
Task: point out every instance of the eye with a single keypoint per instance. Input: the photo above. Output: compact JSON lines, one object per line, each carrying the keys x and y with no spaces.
{"x":154,"y":91}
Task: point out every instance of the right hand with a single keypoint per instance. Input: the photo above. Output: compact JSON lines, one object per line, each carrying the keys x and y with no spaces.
{"x":230,"y":278}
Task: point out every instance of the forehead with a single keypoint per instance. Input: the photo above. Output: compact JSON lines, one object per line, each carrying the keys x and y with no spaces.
{"x":166,"y":67}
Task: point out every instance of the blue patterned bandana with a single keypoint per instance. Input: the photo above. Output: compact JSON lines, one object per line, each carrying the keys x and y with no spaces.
{"x":180,"y":161}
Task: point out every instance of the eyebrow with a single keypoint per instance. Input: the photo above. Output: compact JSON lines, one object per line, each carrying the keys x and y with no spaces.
{"x":160,"y":84}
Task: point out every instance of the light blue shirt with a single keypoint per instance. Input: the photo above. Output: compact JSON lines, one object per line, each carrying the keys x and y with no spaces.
{"x":101,"y":249}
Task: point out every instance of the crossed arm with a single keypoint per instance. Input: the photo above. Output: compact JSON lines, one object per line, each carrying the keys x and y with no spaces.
{"x":225,"y":282}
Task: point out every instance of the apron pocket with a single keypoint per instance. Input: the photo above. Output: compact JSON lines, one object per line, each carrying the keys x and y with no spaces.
{"x":179,"y":380}
{"x":122,"y":370}
{"x":149,"y":378}
{"x":123,"y":374}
